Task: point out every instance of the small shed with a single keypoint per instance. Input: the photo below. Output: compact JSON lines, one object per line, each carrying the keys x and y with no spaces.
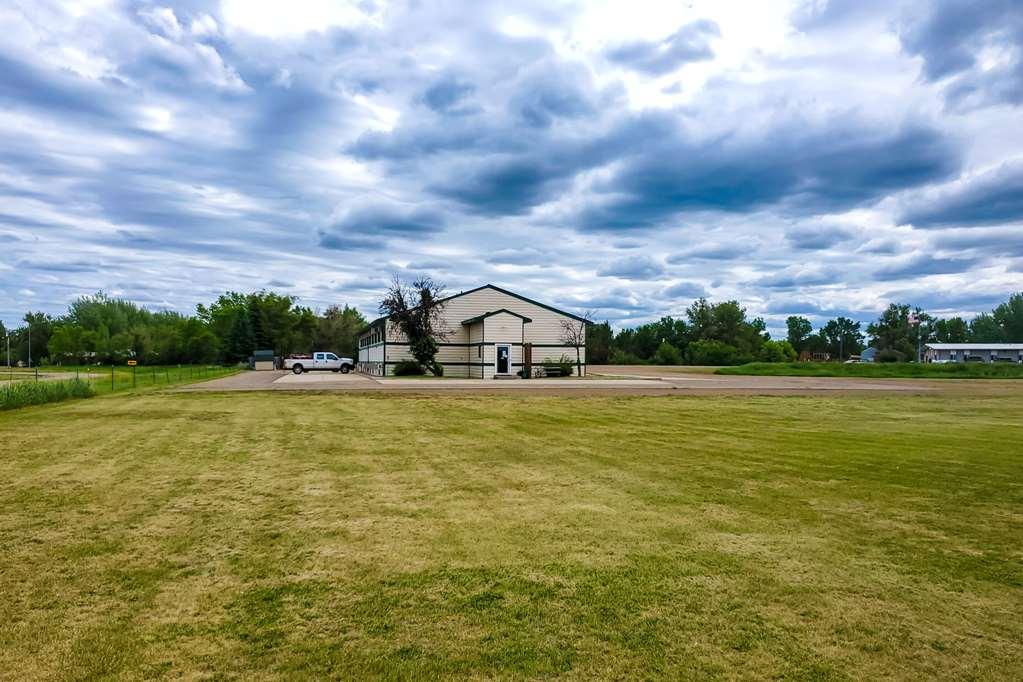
{"x":263,"y":360}
{"x":868,"y":355}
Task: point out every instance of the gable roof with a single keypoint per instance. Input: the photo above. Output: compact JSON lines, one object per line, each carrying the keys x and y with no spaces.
{"x":499,"y":290}
{"x":473,"y":320}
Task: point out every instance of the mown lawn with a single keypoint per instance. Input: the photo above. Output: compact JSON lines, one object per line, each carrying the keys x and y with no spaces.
{"x":881,"y":370}
{"x":266,"y":535}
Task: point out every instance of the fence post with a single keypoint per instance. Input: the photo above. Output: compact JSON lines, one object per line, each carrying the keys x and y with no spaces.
{"x":111,"y":376}
{"x":37,"y":374}
{"x":133,"y":376}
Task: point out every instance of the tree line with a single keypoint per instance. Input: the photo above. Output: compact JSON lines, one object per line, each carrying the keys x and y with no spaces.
{"x":102,"y":329}
{"x":723,"y":334}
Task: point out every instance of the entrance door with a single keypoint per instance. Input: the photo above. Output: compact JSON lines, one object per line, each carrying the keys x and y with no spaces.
{"x":503,"y":358}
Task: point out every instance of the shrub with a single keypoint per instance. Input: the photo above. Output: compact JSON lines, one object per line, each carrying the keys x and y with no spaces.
{"x":889,"y":355}
{"x":710,"y":352}
{"x":408,"y":368}
{"x":621,"y":357}
{"x":777,"y":351}
{"x":667,"y":354}
{"x":564,"y":363}
{"x":23,"y":393}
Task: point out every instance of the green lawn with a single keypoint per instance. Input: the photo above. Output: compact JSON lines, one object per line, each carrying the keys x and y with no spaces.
{"x":259,"y":535}
{"x":54,"y":384}
{"x":881,"y":370}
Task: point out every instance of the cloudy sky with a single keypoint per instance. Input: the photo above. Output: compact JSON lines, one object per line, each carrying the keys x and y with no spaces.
{"x":814,"y":158}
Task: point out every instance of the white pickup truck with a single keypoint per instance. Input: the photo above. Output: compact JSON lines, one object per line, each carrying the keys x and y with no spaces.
{"x":307,"y":363}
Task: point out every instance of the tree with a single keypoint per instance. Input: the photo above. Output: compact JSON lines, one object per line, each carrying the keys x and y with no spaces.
{"x":598,"y":343}
{"x":1009,"y":318}
{"x":573,"y":333}
{"x":777,"y":351}
{"x":799,"y":328}
{"x":984,"y":329}
{"x":842,"y":337}
{"x":952,"y":330}
{"x":338,"y":330}
{"x":416,"y":308}
{"x":667,"y":354}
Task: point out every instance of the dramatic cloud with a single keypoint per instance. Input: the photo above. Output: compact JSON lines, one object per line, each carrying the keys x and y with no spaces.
{"x":976,"y":47}
{"x":633,"y":267}
{"x":994,"y":198}
{"x":590,"y":155}
{"x":818,"y":238}
{"x":684,"y":290}
{"x":688,"y":44}
{"x":923,"y":265}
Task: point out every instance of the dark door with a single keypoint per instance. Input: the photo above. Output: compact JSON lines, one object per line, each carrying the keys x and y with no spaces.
{"x":502,"y":359}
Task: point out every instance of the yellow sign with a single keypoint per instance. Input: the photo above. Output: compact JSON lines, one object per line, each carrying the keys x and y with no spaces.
{"x":132,"y":363}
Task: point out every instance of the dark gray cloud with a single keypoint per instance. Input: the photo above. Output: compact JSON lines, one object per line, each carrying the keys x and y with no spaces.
{"x":684,"y":290}
{"x":951,"y":35}
{"x":996,"y":242}
{"x":797,"y":169}
{"x":632,"y":267}
{"x":923,"y":265}
{"x":710,"y":252}
{"x":797,"y":276}
{"x":690,"y":43}
{"x":448,"y":95}
{"x":994,"y":198}
{"x":818,"y":238}
{"x":373,"y":224}
{"x":522,"y":256}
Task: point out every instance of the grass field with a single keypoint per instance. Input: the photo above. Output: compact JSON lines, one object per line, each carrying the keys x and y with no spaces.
{"x":327,"y":535}
{"x":55,"y":384}
{"x":881,"y":370}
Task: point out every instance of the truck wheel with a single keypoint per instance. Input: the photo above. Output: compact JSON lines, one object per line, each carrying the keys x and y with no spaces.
{"x":297,"y":369}
{"x":345,"y":369}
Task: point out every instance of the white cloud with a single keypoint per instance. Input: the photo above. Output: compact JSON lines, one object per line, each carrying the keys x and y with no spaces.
{"x":275,"y":19}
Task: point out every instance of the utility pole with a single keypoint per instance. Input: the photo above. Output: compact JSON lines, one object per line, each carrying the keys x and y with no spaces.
{"x":29,"y":344}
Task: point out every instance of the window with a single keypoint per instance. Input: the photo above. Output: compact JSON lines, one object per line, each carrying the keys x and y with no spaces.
{"x":331,"y":356}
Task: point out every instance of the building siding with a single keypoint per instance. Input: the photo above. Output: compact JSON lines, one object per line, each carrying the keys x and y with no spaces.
{"x":464,"y":347}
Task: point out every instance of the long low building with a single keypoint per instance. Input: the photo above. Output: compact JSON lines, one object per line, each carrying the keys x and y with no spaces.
{"x":485,"y":333}
{"x":974,"y":352}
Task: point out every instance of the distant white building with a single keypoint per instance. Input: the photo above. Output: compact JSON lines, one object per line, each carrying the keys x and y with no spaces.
{"x":974,"y":352}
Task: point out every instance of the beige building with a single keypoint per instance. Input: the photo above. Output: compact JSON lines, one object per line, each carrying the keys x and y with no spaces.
{"x":487,"y":333}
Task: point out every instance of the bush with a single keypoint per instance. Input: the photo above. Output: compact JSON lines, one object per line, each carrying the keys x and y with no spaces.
{"x":23,"y":393}
{"x":777,"y":351}
{"x":564,"y":363}
{"x":710,"y":352}
{"x":667,"y":354}
{"x":889,"y":355}
{"x":408,"y":368}
{"x":621,"y":357}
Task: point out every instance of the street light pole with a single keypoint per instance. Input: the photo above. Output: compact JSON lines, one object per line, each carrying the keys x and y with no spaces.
{"x":29,"y":344}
